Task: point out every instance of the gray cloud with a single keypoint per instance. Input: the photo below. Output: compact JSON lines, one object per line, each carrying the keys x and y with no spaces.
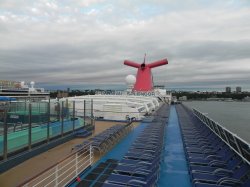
{"x":85,"y":42}
{"x":213,"y":51}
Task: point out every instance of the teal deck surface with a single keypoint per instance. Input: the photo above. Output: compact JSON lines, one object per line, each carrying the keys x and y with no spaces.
{"x":174,"y":171}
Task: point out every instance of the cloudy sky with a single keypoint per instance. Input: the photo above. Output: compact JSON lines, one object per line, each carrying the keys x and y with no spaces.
{"x":83,"y":43}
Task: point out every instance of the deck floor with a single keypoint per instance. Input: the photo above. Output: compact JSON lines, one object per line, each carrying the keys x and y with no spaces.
{"x":174,"y":171}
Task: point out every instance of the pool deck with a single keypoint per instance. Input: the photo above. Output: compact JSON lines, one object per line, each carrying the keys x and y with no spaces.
{"x":174,"y":171}
{"x":39,"y":163}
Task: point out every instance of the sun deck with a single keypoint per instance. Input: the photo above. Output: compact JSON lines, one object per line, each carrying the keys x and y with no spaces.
{"x":37,"y":164}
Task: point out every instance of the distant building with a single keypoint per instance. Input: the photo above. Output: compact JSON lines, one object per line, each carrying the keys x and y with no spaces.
{"x":21,"y":90}
{"x":238,"y":89}
{"x":62,"y":94}
{"x":247,"y":98}
{"x":228,"y":89}
{"x":183,"y":98}
{"x":9,"y":84}
{"x":159,"y":87}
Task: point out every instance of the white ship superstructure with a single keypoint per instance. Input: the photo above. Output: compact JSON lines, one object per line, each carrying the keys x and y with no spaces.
{"x":117,"y":107}
{"x":121,"y":105}
{"x":21,"y":90}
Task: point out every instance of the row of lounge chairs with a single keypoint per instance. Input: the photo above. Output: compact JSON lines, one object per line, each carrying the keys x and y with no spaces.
{"x":140,"y":165}
{"x":210,"y":160}
{"x":82,"y":133}
{"x":108,"y":138}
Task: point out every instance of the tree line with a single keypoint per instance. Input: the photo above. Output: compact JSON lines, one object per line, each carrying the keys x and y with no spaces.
{"x":206,"y":95}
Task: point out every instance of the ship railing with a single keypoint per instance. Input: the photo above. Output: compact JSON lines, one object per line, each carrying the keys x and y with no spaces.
{"x":63,"y":172}
{"x":237,"y":144}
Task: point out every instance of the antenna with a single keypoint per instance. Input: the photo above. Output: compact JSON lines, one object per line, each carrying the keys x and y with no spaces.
{"x":144,"y":58}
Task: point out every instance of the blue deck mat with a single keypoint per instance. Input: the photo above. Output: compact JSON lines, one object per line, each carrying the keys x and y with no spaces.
{"x":174,"y":171}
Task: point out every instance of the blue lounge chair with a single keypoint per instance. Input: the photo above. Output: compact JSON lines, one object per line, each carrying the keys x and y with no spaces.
{"x":131,"y":180}
{"x":231,"y":165}
{"x":233,"y":178}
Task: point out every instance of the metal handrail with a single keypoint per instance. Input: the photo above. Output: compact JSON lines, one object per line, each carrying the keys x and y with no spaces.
{"x":61,"y":172}
{"x":211,"y":124}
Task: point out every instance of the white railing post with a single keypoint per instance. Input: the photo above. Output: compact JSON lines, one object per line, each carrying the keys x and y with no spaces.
{"x":76,"y":164}
{"x":56,"y":173}
{"x":90,"y":153}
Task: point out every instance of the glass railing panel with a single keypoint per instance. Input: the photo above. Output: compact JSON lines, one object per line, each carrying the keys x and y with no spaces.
{"x":65,"y":116}
{"x":88,"y":108}
{"x":17,"y":121}
{"x":55,"y":128}
{"x":18,"y":139}
{"x":39,"y":133}
{"x":20,"y":114}
{"x":2,"y":107}
{"x":1,"y":138}
{"x":67,"y":125}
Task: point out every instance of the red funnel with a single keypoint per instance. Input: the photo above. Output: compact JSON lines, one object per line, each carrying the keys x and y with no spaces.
{"x":144,"y":76}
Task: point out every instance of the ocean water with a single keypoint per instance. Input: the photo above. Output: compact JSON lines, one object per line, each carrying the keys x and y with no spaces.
{"x":235,"y":116}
